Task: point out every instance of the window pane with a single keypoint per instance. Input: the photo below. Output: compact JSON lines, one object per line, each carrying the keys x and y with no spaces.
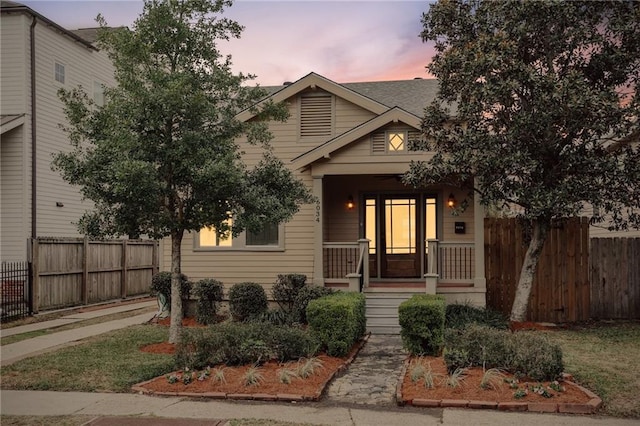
{"x":370,"y":224}
{"x":267,"y":237}
{"x":396,"y":141}
{"x":210,"y":237}
{"x":400,"y":230}
{"x":59,"y":72}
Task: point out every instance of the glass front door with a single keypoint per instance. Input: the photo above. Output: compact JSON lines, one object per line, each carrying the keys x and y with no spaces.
{"x":397,"y":226}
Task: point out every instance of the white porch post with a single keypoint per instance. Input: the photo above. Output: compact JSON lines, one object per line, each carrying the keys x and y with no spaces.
{"x":318,"y":237}
{"x":479,"y":281}
{"x":432,"y":275}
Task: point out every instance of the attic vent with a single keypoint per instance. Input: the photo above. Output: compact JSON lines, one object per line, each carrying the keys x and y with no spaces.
{"x":378,"y":143}
{"x":316,"y":118}
{"x":414,"y":138}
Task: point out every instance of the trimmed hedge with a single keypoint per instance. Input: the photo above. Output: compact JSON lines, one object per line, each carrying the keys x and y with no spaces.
{"x":243,"y":343}
{"x":459,"y":315}
{"x":305,"y":295}
{"x":422,"y":324}
{"x":247,"y":300}
{"x":523,"y":353}
{"x":209,"y":293}
{"x":337,"y":321}
{"x":286,"y":289}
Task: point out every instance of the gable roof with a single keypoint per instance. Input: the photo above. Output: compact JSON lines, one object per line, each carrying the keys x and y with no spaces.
{"x":392,"y":115}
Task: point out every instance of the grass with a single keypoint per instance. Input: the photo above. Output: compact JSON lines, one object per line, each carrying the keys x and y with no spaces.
{"x":604,"y":358}
{"x":84,"y":323}
{"x":111,"y":362}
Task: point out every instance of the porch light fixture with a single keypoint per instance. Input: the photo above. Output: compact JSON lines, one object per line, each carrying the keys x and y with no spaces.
{"x":451,"y":201}
{"x":350,"y":203}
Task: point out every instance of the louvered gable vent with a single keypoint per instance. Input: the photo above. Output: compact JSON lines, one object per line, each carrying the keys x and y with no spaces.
{"x":378,"y":141}
{"x":315,"y":116}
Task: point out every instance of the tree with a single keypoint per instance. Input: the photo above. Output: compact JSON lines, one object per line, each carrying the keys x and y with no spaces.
{"x":160,"y":158}
{"x":546,"y":103}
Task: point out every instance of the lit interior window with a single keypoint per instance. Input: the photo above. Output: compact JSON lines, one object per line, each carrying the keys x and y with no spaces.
{"x":396,"y":141}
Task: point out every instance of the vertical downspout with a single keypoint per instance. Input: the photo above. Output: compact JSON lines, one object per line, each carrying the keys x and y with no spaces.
{"x":33,"y":129}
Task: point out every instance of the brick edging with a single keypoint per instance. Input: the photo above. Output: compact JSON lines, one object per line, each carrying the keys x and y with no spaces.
{"x":590,"y":407}
{"x":285,"y":397}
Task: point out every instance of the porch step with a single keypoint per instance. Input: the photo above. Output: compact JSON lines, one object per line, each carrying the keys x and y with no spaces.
{"x":382,"y":312}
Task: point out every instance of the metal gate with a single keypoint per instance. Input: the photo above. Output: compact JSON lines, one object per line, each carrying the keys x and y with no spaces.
{"x":16,"y":295}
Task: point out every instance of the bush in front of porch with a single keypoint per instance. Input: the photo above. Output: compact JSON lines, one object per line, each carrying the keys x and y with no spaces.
{"x":422,"y":324}
{"x":338,"y":321}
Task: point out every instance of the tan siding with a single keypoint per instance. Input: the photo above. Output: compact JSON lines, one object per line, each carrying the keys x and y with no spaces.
{"x":82,"y":67}
{"x":349,"y":115}
{"x":14,"y":223}
{"x":14,"y":39}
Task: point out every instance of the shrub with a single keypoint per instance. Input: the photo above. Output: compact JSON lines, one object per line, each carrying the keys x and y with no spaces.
{"x":305,"y":295}
{"x":337,"y":321}
{"x":276,"y":317}
{"x":286,"y":289}
{"x":422,"y":324}
{"x":522,"y":353}
{"x":246,"y":300}
{"x":209,"y":293}
{"x":242,"y":343}
{"x":455,"y":359}
{"x":460,"y":315}
{"x":161,"y":284}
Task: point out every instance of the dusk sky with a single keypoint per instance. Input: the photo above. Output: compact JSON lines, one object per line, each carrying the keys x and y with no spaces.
{"x":345,"y":41}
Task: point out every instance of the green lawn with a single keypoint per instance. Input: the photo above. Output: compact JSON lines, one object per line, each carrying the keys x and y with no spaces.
{"x":109,"y":362}
{"x":604,"y":358}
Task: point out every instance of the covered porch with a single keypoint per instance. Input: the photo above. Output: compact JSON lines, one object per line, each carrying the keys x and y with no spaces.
{"x":376,"y":234}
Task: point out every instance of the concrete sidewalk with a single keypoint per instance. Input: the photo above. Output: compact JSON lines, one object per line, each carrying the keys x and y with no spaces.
{"x":49,"y":342}
{"x":34,"y":403}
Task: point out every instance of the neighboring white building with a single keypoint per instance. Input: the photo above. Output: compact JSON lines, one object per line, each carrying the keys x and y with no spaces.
{"x":39,"y":57}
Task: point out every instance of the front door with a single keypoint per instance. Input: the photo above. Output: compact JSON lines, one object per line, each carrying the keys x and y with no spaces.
{"x":397,"y":226}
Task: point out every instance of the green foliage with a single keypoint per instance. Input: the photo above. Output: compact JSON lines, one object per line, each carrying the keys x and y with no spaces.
{"x":456,"y":358}
{"x":247,"y":300}
{"x":460,"y":315}
{"x":422,"y":324}
{"x":305,"y":295}
{"x":275,"y":317}
{"x":160,"y":158}
{"x":286,"y":289}
{"x":540,"y":91}
{"x":161,"y":284}
{"x":209,"y":293}
{"x":522,"y":353}
{"x":337,"y":321}
{"x":242,"y":343}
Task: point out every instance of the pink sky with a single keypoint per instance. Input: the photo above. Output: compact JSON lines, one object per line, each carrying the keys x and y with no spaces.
{"x":345,"y":41}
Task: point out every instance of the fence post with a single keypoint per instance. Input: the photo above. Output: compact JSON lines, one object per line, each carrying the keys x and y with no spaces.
{"x":84,"y":286}
{"x":35,"y":271}
{"x":125,"y":273}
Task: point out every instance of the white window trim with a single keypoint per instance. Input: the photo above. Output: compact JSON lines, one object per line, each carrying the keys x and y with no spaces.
{"x":239,"y":243}
{"x":64,"y":66}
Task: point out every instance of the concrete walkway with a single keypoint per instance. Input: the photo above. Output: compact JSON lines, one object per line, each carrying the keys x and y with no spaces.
{"x":50,"y":342}
{"x":34,"y":403}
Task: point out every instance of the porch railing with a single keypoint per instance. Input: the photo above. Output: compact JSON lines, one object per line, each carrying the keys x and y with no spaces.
{"x":346,"y":262}
{"x":453,"y":262}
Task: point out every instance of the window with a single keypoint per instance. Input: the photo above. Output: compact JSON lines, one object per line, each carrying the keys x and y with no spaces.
{"x":268,"y":236}
{"x":98,"y":93}
{"x":211,"y":237}
{"x":59,"y":72}
{"x":396,"y":141}
{"x":393,"y":141}
{"x":316,"y":115}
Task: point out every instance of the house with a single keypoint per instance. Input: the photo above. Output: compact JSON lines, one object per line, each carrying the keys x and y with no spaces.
{"x":39,"y":57}
{"x":367,"y":230}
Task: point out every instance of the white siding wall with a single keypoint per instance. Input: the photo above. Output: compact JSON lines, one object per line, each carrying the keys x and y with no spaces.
{"x":15,"y":151}
{"x":82,"y":67}
{"x":14,"y":207}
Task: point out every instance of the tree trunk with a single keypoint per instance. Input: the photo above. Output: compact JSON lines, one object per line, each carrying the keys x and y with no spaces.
{"x":175,"y":327}
{"x":523,"y":291}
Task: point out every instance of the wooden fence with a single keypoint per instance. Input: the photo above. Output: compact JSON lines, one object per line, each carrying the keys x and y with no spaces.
{"x":76,"y":271}
{"x":615,"y":278}
{"x":560,"y":290}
